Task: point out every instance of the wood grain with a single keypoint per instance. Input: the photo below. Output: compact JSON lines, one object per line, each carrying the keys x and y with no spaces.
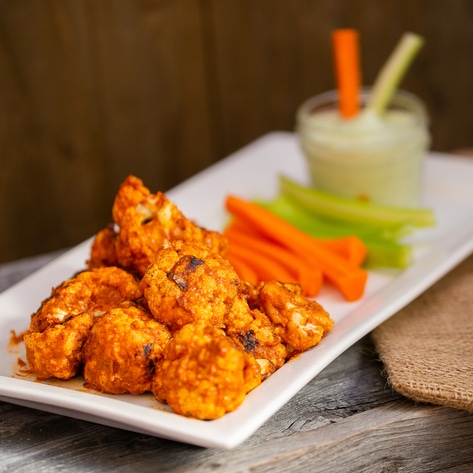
{"x":346,"y":420}
{"x":91,"y":91}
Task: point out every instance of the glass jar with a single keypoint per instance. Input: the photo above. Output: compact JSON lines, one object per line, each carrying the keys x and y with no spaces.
{"x":371,"y":158}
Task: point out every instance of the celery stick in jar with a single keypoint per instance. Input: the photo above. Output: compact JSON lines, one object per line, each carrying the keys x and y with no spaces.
{"x":393,"y":71}
{"x":377,"y":155}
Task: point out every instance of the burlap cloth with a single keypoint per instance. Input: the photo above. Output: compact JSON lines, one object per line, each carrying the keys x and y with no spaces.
{"x":427,"y":347}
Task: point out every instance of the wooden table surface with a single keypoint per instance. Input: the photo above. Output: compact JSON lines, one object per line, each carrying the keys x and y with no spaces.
{"x":346,"y":419}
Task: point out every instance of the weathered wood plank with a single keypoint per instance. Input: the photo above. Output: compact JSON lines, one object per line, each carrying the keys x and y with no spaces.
{"x":346,"y":420}
{"x":395,"y":437}
{"x":384,"y":434}
{"x":94,"y":90}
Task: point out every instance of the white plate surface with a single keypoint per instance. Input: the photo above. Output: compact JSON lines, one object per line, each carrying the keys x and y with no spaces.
{"x":251,"y":172}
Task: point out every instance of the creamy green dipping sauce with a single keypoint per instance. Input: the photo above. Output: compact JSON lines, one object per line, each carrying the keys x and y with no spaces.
{"x":377,"y":159}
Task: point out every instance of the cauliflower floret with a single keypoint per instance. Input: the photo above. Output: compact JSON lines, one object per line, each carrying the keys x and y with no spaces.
{"x":203,"y":373}
{"x":59,"y":328}
{"x":94,"y":291}
{"x":57,"y":351}
{"x":103,"y":252}
{"x":256,"y":334}
{"x":187,"y":282}
{"x":129,"y":195}
{"x":300,"y":322}
{"x":122,"y":349}
{"x":145,"y":221}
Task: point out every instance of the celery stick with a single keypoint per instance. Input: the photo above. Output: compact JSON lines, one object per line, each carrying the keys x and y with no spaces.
{"x":286,"y":208}
{"x":382,"y":252}
{"x":393,"y":71}
{"x":304,"y":220}
{"x":351,"y":210}
{"x":387,"y":254}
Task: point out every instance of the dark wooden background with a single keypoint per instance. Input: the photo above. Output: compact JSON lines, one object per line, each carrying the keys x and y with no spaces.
{"x":92,"y":90}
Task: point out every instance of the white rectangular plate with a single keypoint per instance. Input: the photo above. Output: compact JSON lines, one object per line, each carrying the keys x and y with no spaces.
{"x":251,"y":172}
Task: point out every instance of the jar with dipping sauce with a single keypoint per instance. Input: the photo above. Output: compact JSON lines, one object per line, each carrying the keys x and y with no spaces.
{"x":372,"y":158}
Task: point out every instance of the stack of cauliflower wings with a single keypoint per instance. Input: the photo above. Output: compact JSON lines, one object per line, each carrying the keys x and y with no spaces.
{"x":159,"y":309}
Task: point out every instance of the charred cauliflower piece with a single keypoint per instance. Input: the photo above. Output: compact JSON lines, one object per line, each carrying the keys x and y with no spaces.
{"x":59,"y":328}
{"x":122,"y":350}
{"x":57,"y":351}
{"x":95,"y":291}
{"x":130,"y":194}
{"x":253,"y":330}
{"x":143,"y":222}
{"x":187,"y":282}
{"x":203,"y":373}
{"x":300,"y":322}
{"x":103,"y":252}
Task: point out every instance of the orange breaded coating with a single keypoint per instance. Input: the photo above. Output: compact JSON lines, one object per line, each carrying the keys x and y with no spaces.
{"x":122,"y":349}
{"x":300,"y":322}
{"x":103,"y":252}
{"x":203,"y":373}
{"x":253,"y":330}
{"x":95,"y":290}
{"x":187,"y":282}
{"x":130,"y":194}
{"x":160,"y":309}
{"x":144,"y":222}
{"x":59,"y":328}
{"x":57,"y":351}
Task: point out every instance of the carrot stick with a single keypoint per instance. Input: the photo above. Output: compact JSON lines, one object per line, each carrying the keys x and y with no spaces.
{"x":350,"y":247}
{"x":309,"y":277}
{"x":266,"y":268}
{"x":350,"y":279}
{"x":347,"y":70}
{"x":242,"y":268}
{"x":239,"y":226}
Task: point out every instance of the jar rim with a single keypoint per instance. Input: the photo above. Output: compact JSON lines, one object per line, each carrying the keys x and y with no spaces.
{"x":401,"y":100}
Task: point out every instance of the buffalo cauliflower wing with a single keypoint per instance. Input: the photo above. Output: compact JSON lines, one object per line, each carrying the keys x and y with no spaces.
{"x":122,"y":349}
{"x":300,"y":322}
{"x":253,"y":330}
{"x":203,"y":374}
{"x":103,"y":252}
{"x":187,"y":282}
{"x":57,"y":351}
{"x":59,"y":328}
{"x":160,"y":309}
{"x":142,"y":223}
{"x":94,"y":290}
